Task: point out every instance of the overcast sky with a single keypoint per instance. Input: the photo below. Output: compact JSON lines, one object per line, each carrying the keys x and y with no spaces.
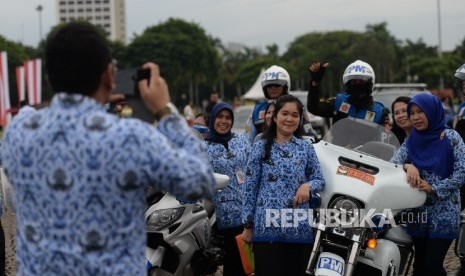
{"x":257,"y":23}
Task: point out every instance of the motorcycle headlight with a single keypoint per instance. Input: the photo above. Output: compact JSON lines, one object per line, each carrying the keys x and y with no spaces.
{"x":346,"y":211}
{"x":163,"y":218}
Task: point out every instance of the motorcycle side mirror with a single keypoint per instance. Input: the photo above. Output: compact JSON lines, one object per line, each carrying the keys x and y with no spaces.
{"x":221,"y":181}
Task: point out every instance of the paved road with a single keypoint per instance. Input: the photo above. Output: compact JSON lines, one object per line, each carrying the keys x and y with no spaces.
{"x":451,"y":262}
{"x":9,"y":225}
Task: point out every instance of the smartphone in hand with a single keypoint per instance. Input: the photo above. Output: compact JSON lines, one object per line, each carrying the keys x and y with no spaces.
{"x":127,"y":83}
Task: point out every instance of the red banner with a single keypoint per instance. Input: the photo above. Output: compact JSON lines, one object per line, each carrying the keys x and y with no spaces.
{"x":4,"y":90}
{"x":34,"y":81}
{"x":21,"y":83}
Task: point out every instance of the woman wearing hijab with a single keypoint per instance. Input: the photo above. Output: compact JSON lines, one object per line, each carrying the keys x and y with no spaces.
{"x":228,"y":153}
{"x":434,"y":159}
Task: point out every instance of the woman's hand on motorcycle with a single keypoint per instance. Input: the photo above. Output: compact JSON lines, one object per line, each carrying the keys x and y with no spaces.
{"x":425,"y":186}
{"x":302,"y":195}
{"x":247,"y":235}
{"x":413,"y":175}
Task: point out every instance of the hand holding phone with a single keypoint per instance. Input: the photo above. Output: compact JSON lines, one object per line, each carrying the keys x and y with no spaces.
{"x":141,"y":74}
{"x":154,"y":91}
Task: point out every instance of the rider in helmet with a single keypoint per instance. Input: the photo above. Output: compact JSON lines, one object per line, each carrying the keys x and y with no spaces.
{"x":460,"y":74}
{"x":356,"y":101}
{"x":275,"y":83}
{"x":460,"y":128}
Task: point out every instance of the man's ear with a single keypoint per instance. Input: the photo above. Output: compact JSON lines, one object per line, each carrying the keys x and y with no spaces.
{"x":109,"y":77}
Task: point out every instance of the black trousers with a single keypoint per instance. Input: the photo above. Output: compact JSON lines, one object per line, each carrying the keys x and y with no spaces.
{"x":2,"y":251}
{"x":232,"y":259}
{"x":429,"y":256}
{"x":281,"y":259}
{"x":461,"y":271}
{"x":462,"y":196}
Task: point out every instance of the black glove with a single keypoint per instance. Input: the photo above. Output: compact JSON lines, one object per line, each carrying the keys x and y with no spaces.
{"x":318,"y":75}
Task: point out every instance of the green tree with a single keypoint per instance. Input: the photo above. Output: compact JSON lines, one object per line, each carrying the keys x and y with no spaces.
{"x":422,"y":63}
{"x":380,"y":50}
{"x":391,"y":59}
{"x":460,"y":51}
{"x":118,"y":51}
{"x":338,"y":48}
{"x":251,"y":62}
{"x":185,"y":53}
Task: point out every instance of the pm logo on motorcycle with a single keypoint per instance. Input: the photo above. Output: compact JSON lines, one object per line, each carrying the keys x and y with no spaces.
{"x":331,"y":264}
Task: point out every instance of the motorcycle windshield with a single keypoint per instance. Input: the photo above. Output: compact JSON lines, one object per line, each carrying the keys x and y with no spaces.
{"x":363,"y":136}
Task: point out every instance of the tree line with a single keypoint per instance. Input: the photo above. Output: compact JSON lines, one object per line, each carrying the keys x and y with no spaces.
{"x":194,"y":63}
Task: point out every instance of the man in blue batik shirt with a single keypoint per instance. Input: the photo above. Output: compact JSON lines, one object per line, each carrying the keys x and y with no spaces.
{"x":79,"y":174}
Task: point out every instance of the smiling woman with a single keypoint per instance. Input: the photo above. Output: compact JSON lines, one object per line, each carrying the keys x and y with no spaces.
{"x":228,"y":155}
{"x":433,"y":157}
{"x":220,"y":123}
{"x":401,"y":125}
{"x":282,"y":172}
{"x":287,"y":121}
{"x":223,"y":122}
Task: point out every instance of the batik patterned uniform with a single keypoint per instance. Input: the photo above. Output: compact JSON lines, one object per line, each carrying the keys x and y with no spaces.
{"x":80,"y":176}
{"x":231,"y":162}
{"x":273,"y":184}
{"x":443,"y":212}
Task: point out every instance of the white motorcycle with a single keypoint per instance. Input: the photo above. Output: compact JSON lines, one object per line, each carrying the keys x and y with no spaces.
{"x":179,"y":235}
{"x":360,"y":226}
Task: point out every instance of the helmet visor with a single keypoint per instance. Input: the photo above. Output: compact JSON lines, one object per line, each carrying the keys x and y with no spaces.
{"x":358,"y":77}
{"x":275,"y":82}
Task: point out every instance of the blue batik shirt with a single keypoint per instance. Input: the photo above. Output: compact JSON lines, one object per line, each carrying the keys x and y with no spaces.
{"x":442,"y":208}
{"x":80,"y":174}
{"x":461,"y":111}
{"x":256,"y":119}
{"x":231,"y":162}
{"x":270,"y":187}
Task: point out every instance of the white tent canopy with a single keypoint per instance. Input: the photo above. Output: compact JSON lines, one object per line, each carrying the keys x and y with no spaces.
{"x":255,"y":92}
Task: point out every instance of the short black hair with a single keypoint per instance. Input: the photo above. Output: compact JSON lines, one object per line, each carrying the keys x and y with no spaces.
{"x":76,"y":55}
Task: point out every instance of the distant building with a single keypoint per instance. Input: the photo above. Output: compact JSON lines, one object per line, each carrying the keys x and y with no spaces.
{"x":108,"y":14}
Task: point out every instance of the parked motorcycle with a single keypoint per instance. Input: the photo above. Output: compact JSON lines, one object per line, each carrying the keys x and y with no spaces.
{"x":360,"y":227}
{"x":180,"y":240}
